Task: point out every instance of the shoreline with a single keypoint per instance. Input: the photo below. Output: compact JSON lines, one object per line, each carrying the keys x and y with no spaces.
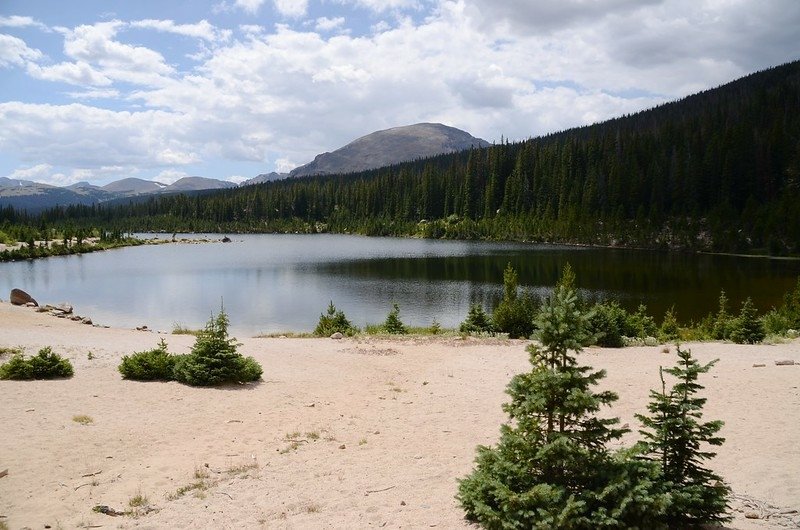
{"x":159,"y":240}
{"x":339,"y":433}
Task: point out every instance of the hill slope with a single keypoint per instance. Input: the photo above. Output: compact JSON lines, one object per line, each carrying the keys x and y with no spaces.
{"x":391,"y":146}
{"x":719,"y":171}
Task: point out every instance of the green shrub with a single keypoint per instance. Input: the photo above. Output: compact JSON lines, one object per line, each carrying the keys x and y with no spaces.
{"x":477,"y":321}
{"x":723,"y":321}
{"x":669,"y":330}
{"x":747,"y":328}
{"x":393,"y":324}
{"x":152,"y":365}
{"x":515,"y":314}
{"x":608,"y":322}
{"x":640,"y":324}
{"x":776,"y":322}
{"x":214,"y":359}
{"x":334,"y":321}
{"x":43,"y":365}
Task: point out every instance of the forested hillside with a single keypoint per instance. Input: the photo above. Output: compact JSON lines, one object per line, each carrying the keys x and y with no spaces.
{"x":719,"y":171}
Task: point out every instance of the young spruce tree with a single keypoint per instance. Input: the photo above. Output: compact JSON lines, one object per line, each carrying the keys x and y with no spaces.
{"x":551,"y":467}
{"x":674,"y":436}
{"x":214,"y":359}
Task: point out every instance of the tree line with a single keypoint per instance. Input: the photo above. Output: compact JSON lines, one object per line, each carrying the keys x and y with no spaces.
{"x":717,"y":171}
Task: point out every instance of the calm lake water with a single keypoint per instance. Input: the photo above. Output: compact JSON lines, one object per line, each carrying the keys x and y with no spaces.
{"x":283,"y":282}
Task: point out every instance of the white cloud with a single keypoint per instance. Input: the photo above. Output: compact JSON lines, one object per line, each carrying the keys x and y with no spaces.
{"x":107,"y":93}
{"x":380,"y":6}
{"x":83,"y":136}
{"x":291,"y":8}
{"x":237,"y":179}
{"x":31,"y":173}
{"x":201,"y":30}
{"x":283,"y":95}
{"x":250,"y":6}
{"x":95,"y":45}
{"x":170,"y":176}
{"x":16,"y":21}
{"x":251,"y":30}
{"x":328,"y":24}
{"x":78,"y":73}
{"x":284,"y":165}
{"x":14,"y":51}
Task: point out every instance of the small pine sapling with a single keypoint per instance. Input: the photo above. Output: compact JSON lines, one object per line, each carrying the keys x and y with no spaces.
{"x":393,"y":324}
{"x":722,"y":320}
{"x":332,"y":322}
{"x":477,"y":321}
{"x":675,"y":435}
{"x":747,"y":328}
{"x":214,"y":359}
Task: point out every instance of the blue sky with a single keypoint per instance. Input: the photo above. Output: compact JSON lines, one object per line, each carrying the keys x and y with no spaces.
{"x":103,"y":90}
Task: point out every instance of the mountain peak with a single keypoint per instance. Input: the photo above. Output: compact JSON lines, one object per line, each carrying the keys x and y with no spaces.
{"x":391,"y":146}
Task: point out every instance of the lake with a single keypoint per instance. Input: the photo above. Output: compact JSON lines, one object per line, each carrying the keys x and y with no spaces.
{"x":273,"y":283}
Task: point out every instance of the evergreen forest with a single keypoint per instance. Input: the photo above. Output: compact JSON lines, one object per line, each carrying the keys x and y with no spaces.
{"x":716,"y":171}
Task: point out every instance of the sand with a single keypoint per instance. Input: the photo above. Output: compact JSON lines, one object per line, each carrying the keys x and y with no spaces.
{"x":340,"y":434}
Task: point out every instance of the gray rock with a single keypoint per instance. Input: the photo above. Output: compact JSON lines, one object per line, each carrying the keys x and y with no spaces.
{"x":63,"y":308}
{"x":86,"y":320}
{"x":20,"y":297}
{"x":337,"y":336}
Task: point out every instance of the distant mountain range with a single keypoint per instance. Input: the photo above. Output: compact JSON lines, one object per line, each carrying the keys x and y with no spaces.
{"x":379,"y":149}
{"x":36,"y":196}
{"x":391,"y":146}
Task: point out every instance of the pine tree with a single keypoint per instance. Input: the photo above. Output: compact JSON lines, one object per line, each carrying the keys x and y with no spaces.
{"x":747,"y":328}
{"x":722,"y":321}
{"x":393,"y":324}
{"x":514,"y":315}
{"x":477,"y":321}
{"x":674,"y":437}
{"x":214,"y":360}
{"x":551,"y":467}
{"x":332,"y":322}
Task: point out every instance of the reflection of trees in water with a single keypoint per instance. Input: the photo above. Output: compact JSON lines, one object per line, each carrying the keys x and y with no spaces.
{"x":690,"y":282}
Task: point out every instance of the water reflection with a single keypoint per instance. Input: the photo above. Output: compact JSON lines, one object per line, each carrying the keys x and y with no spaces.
{"x":283,"y":282}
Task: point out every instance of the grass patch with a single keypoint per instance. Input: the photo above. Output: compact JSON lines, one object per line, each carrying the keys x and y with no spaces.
{"x":83,"y":419}
{"x":139,"y":500}
{"x":16,"y":350}
{"x":241,"y":469}
{"x":179,"y":329}
{"x":198,"y":487}
{"x":296,"y":439}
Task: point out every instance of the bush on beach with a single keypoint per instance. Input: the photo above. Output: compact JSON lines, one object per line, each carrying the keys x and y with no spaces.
{"x":334,"y":321}
{"x":43,"y":365}
{"x":213,"y":360}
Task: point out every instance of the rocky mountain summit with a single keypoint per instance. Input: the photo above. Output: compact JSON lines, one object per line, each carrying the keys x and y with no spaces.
{"x":391,"y":146}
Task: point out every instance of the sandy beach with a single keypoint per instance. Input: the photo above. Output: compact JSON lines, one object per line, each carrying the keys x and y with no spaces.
{"x":355,"y":433}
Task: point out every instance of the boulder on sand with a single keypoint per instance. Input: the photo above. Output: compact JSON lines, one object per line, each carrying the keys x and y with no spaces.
{"x":20,"y":297}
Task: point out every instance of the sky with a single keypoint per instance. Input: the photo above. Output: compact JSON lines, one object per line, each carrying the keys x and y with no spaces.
{"x":99,"y":90}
